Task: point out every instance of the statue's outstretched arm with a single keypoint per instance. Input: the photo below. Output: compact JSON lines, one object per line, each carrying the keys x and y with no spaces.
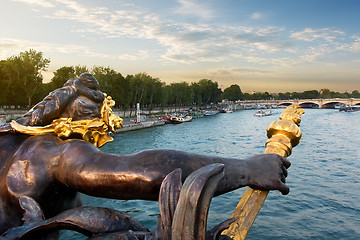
{"x":139,"y":176}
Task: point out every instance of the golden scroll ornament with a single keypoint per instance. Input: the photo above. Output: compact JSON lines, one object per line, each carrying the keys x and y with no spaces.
{"x":95,"y":131}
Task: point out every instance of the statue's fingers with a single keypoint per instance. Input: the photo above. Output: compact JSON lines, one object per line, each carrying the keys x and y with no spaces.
{"x":284,"y":171}
{"x":286,"y":162}
{"x":283,"y":188}
{"x":282,"y":179}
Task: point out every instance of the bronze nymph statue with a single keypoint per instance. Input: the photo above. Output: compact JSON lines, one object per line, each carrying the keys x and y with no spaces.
{"x":51,"y":154}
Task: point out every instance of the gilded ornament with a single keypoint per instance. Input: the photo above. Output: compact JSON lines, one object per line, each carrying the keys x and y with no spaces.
{"x":95,"y":131}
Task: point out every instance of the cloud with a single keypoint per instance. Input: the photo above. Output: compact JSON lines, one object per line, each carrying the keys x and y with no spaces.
{"x":353,"y":46}
{"x":239,"y":70}
{"x":182,"y":42}
{"x":310,"y":35}
{"x":188,"y":7}
{"x":256,"y":16}
{"x":9,"y":47}
{"x":37,"y":3}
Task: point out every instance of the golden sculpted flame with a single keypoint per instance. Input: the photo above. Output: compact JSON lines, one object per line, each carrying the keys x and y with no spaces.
{"x":95,"y":131}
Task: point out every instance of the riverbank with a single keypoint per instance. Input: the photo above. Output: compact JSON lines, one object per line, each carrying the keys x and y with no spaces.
{"x":129,"y":126}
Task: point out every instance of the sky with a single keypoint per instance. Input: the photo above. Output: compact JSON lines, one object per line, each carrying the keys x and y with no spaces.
{"x":260,"y":45}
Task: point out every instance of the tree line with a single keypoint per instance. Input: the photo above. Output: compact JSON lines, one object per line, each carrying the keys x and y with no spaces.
{"x":21,"y":84}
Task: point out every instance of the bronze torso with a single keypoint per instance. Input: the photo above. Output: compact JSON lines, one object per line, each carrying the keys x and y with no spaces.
{"x":27,"y":171}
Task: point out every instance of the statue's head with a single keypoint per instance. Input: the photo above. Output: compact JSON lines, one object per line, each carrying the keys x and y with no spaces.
{"x":89,"y":81}
{"x":85,"y":111}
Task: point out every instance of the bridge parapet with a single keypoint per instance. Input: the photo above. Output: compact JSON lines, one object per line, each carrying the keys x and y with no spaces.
{"x":320,"y":102}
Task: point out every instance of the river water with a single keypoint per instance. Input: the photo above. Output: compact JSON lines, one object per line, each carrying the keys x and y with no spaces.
{"x":324,"y":179}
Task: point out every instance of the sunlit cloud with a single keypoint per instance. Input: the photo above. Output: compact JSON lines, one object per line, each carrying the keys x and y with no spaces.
{"x":187,"y":43}
{"x":192,"y":8}
{"x":310,"y":35}
{"x":37,"y":3}
{"x":9,"y":47}
{"x":353,"y":46}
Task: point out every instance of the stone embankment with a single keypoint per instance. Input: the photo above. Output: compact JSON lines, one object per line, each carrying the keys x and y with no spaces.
{"x":147,"y":118}
{"x":129,"y":126}
{"x":129,"y":123}
{"x":10,"y":114}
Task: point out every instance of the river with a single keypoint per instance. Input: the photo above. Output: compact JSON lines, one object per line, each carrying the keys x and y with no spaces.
{"x":324,"y":179}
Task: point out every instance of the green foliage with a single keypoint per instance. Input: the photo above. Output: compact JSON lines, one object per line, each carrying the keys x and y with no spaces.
{"x":4,"y":82}
{"x":233,"y":93}
{"x":310,"y":94}
{"x":209,"y":91}
{"x":24,"y":74}
{"x":112,"y":83}
{"x":355,"y":94}
{"x":61,"y":75}
{"x":146,"y":90}
{"x":197,"y":94}
{"x":180,"y":94}
{"x":42,"y":92}
{"x":80,"y":69}
{"x":257,"y":96}
{"x":65,"y":73}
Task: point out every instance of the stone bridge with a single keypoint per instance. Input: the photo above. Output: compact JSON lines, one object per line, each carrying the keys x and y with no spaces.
{"x":310,"y":103}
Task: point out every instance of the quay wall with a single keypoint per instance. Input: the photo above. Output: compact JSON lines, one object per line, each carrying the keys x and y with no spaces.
{"x":6,"y":115}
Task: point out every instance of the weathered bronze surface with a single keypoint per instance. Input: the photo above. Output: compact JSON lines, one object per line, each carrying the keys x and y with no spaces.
{"x":95,"y":130}
{"x":52,"y":170}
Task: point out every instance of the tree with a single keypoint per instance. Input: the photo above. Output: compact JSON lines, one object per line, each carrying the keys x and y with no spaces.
{"x":284,"y":96}
{"x":65,"y":73}
{"x":233,"y":93}
{"x":197,"y":94}
{"x":80,"y":69}
{"x":181,"y":94}
{"x":355,"y":94}
{"x":24,"y":72}
{"x":325,"y":93}
{"x":312,"y":94}
{"x":112,"y":83}
{"x":153,"y":91}
{"x":137,"y":89}
{"x":4,"y":83}
{"x":209,"y":91}
{"x":61,"y":75}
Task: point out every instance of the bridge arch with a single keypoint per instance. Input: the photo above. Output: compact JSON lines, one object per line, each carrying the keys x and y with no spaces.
{"x":333,"y":104}
{"x":309,"y":105}
{"x":285,"y":104}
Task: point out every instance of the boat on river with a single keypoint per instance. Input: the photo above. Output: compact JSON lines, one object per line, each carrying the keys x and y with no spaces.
{"x":350,"y":108}
{"x":262,"y":113}
{"x":180,"y":119}
{"x":209,"y":113}
{"x":226,"y":110}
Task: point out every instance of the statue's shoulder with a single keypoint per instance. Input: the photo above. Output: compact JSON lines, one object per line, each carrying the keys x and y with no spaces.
{"x":9,"y":144}
{"x":11,"y":141}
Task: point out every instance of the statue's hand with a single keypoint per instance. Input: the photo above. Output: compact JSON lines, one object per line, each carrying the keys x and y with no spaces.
{"x":268,"y":172}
